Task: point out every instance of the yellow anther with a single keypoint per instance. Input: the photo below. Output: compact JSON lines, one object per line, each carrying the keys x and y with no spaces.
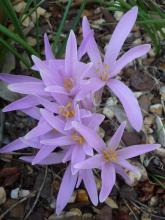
{"x":110,"y":155}
{"x":67,"y":111}
{"x":104,"y":76}
{"x":78,"y":138}
{"x":68,"y":84}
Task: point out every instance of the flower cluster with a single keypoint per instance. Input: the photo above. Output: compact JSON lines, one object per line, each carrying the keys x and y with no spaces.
{"x":62,"y":103}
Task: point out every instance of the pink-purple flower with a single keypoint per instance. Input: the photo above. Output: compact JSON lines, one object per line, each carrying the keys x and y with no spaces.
{"x":67,"y":126}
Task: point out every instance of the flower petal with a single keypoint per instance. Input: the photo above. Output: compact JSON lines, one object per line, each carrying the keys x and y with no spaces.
{"x":42,"y":128}
{"x":90,"y":86}
{"x":122,"y":173}
{"x":44,"y":152}
{"x":119,"y":35}
{"x":90,"y":185}
{"x":53,"y":158}
{"x":71,"y":57}
{"x":136,"y":150}
{"x":14,"y":145}
{"x":78,"y":155}
{"x":29,"y":88}
{"x":48,"y":50}
{"x":91,"y":137}
{"x":88,"y":150}
{"x":124,"y":163}
{"x":11,"y":78}
{"x":66,"y":189}
{"x":33,"y":112}
{"x":59,"y":141}
{"x":108,"y":177}
{"x":23,"y":103}
{"x":128,"y":57}
{"x":56,"y":89}
{"x":92,"y":162}
{"x":92,"y":48}
{"x":51,"y":106}
{"x":113,"y":143}
{"x":54,"y":121}
{"x":129,"y":102}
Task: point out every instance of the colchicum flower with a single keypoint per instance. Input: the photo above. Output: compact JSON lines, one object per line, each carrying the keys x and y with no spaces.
{"x":67,"y":125}
{"x":104,"y":72}
{"x":112,"y":161}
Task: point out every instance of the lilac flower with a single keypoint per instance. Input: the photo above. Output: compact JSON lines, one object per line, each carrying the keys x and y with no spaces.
{"x":104,"y":72}
{"x":112,"y":161}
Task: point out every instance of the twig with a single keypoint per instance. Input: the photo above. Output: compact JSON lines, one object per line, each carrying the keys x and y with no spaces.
{"x":15,"y":204}
{"x":38,"y":195}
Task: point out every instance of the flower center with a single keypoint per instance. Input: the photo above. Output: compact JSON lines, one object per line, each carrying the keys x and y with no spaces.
{"x":67,"y":111}
{"x":104,"y":75}
{"x":68,"y":84}
{"x":110,"y":155}
{"x":78,"y":138}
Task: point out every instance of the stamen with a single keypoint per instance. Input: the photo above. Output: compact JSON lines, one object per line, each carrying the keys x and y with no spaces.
{"x":67,"y":111}
{"x":110,"y":155}
{"x":78,"y":138}
{"x":68,"y":84}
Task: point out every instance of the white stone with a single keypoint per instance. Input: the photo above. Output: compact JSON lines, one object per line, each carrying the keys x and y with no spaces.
{"x":156,"y":109}
{"x":2,"y":195}
{"x":19,"y":8}
{"x":23,"y":193}
{"x":160,"y":131}
{"x":118,"y":15}
{"x":15,"y":193}
{"x":162,"y":92}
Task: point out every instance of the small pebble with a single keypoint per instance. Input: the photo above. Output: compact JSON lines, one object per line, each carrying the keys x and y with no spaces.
{"x":156,"y":109}
{"x":14,"y":193}
{"x":162,"y":92}
{"x":2,"y":195}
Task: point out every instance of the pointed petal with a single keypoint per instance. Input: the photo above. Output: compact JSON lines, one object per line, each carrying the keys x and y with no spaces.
{"x":33,"y":112}
{"x":44,"y":152}
{"x":92,"y":48}
{"x":93,"y":162}
{"x":91,"y":86}
{"x":128,"y":57}
{"x":78,"y":155}
{"x":23,"y":103}
{"x":91,"y":137}
{"x":113,"y":143}
{"x":59,"y":141}
{"x":48,"y":50}
{"x":11,"y":78}
{"x":119,"y":35}
{"x":53,"y":158}
{"x":14,"y":145}
{"x":129,"y":101}
{"x":125,"y":164}
{"x":53,"y":121}
{"x":56,"y":89}
{"x":66,"y":189}
{"x":42,"y":128}
{"x":88,"y":150}
{"x":136,"y":150}
{"x":94,"y":120}
{"x":122,"y":173}
{"x":28,"y":88}
{"x":51,"y":106}
{"x":27,"y":158}
{"x":108,"y":177}
{"x":48,"y":74}
{"x":71,"y":57}
{"x":90,"y":185}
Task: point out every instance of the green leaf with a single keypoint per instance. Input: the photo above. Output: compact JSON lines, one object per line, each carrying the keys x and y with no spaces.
{"x":18,"y":39}
{"x":6,"y":4}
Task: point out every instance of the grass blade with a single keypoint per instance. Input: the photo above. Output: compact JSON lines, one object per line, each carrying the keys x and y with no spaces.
{"x":17,"y":39}
{"x":59,"y":31}
{"x":6,"y":4}
{"x":12,"y":50}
